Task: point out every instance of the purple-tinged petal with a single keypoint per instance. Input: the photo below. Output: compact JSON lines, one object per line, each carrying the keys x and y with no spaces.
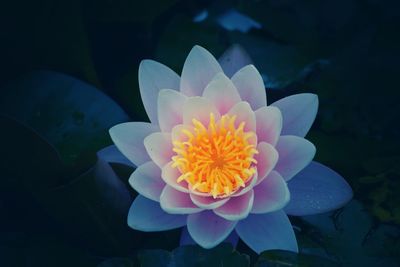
{"x":111,"y":154}
{"x":269,"y":124}
{"x":222,"y":93}
{"x":154,"y":76}
{"x":170,"y":176}
{"x":128,"y":137}
{"x":159,"y":148}
{"x":208,"y":229}
{"x":176,"y":202}
{"x":146,"y":180}
{"x":250,"y":86}
{"x":233,"y":59}
{"x":317,"y":189}
{"x":267,"y":158}
{"x":298,"y":113}
{"x":208,"y":202}
{"x":237,"y":208}
{"x":248,"y":185}
{"x":199,"y":108}
{"x":271,"y":194}
{"x":199,"y":69}
{"x":267,"y":231}
{"x":170,"y":109}
{"x":186,"y":239}
{"x":295,"y":153}
{"x":244,"y":113}
{"x":146,"y":215}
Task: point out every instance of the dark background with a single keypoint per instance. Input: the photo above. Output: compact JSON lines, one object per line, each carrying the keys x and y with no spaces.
{"x":68,"y":72}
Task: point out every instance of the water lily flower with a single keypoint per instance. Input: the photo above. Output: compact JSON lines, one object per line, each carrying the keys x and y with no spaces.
{"x":217,"y":159}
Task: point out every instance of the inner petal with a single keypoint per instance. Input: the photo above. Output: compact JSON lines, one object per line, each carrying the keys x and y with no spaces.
{"x":216,"y":159}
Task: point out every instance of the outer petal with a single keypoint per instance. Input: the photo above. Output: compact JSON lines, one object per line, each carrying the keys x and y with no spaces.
{"x":146,"y":180}
{"x":199,"y":108}
{"x":154,"y":76}
{"x":269,"y":124}
{"x":186,"y":239}
{"x":199,"y":68}
{"x":111,"y":154}
{"x":208,"y":202}
{"x":237,"y":208}
{"x":176,"y":202}
{"x":159,"y":148}
{"x":298,"y":112}
{"x":243,"y":112}
{"x":295,"y":153}
{"x":128,"y":137}
{"x":267,"y":158}
{"x":147,"y":216}
{"x":170,"y":109}
{"x":222,"y":93}
{"x":208,"y":229}
{"x":233,"y":59}
{"x":267,"y":231}
{"x":317,"y":189}
{"x":271,"y":194}
{"x":170,"y":176}
{"x":250,"y":86}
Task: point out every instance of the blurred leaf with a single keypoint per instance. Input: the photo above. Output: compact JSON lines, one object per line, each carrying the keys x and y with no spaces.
{"x":194,"y":256}
{"x":280,"y":258}
{"x":70,"y":114}
{"x":117,"y":262}
{"x":348,"y":235}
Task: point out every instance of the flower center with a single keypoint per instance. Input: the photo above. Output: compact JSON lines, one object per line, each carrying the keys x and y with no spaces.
{"x":217,"y":158}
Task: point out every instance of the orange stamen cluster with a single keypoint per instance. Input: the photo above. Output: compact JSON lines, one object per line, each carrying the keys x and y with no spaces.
{"x":217,"y":159}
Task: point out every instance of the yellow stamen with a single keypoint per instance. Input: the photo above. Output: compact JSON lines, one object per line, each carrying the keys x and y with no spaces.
{"x":217,"y":158}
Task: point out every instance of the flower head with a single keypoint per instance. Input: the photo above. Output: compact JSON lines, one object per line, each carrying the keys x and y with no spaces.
{"x":217,"y":159}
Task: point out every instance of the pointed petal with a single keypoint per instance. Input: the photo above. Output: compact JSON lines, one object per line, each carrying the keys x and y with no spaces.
{"x":207,"y":229}
{"x":243,"y":112}
{"x":199,"y":68}
{"x":146,"y":180}
{"x":129,"y":136}
{"x":317,"y":189}
{"x":222,"y":93}
{"x":176,"y":202}
{"x":146,"y":215}
{"x":154,"y":76}
{"x":269,"y":124}
{"x":159,"y":148}
{"x":208,"y":202}
{"x":267,"y":231}
{"x":271,"y":194}
{"x":186,"y":239}
{"x":170,"y":109}
{"x":237,"y":208}
{"x":298,"y":112}
{"x":199,"y":108}
{"x":267,"y":158}
{"x":170,"y":176}
{"x":295,"y":153}
{"x":250,"y":86}
{"x":233,"y":59}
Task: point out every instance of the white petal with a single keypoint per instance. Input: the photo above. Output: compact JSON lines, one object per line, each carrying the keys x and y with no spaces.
{"x":153,"y":77}
{"x":159,"y":148}
{"x":176,"y":202}
{"x":237,"y":208}
{"x":243,"y":112}
{"x":269,"y":124}
{"x":298,"y":112}
{"x":170,"y":109}
{"x":129,"y":136}
{"x":250,"y":86}
{"x":267,"y":158}
{"x":222,"y":93}
{"x":199,"y":68}
{"x":199,"y":108}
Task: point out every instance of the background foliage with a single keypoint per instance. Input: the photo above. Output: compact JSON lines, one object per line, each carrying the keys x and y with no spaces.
{"x":69,"y":72}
